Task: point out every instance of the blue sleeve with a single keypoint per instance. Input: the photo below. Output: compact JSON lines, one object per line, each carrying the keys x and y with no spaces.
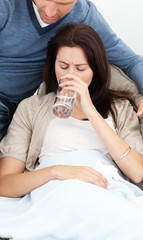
{"x":118,"y":52}
{"x":4,"y":12}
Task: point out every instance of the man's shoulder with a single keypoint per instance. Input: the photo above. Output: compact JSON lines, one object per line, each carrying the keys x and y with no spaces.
{"x":84,"y":8}
{"x":4,"y":12}
{"x":87,"y":13}
{"x":6,"y":6}
{"x":7,"y":9}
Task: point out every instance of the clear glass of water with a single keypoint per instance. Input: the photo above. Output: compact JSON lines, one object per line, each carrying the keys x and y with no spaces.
{"x":64,"y":102}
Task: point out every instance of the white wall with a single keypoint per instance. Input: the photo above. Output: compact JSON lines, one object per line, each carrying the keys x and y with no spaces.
{"x":126,"y":19}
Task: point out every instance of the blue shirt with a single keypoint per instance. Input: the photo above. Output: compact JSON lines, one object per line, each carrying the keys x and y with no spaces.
{"x":23,"y":46}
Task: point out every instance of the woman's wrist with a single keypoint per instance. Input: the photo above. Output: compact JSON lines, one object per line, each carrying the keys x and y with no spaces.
{"x":53,"y":172}
{"x":91,"y":112}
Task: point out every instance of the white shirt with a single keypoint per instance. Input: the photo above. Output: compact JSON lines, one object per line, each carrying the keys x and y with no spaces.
{"x":71,"y":134}
{"x":38,"y":16}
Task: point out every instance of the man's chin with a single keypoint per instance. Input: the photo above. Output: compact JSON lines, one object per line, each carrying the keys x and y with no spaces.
{"x":50,"y":20}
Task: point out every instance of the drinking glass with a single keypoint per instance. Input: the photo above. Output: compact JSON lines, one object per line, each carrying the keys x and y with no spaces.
{"x":64,"y":102}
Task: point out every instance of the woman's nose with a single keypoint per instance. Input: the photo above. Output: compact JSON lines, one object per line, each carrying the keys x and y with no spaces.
{"x":51,"y":9}
{"x":71,"y":70}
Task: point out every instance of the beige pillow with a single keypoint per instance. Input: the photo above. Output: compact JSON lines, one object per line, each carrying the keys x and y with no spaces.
{"x":120,"y":81}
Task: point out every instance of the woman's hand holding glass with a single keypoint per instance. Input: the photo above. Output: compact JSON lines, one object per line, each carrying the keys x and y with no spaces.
{"x":83,"y":100}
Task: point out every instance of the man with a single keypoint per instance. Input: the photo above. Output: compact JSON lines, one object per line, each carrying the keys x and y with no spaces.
{"x":26,"y":26}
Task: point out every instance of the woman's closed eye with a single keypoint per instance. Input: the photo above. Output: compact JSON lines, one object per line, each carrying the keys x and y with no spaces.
{"x":64,"y":66}
{"x":80,"y":69}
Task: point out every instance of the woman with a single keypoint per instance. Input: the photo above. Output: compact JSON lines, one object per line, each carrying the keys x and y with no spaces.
{"x":91,"y":151}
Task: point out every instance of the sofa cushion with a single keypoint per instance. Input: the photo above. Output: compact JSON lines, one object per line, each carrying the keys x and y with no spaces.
{"x":120,"y":81}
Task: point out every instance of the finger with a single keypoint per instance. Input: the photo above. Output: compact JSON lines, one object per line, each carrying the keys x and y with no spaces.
{"x":140,"y":108}
{"x":77,"y":88}
{"x":72,"y":77}
{"x":101,"y":184}
{"x":95,"y":180}
{"x":100,"y":175}
{"x":73,"y":82}
{"x":96,"y":177}
{"x":82,"y":86}
{"x":101,"y":180}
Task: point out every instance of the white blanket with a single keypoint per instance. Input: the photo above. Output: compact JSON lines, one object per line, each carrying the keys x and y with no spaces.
{"x":75,"y":210}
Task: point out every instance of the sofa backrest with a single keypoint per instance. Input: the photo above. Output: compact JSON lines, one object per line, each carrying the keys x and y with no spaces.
{"x":120,"y":81}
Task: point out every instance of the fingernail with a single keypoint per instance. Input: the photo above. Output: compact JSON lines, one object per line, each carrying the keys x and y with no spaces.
{"x":139,"y":113}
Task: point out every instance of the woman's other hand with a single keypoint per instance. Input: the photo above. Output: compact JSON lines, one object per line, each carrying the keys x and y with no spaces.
{"x":83,"y":173}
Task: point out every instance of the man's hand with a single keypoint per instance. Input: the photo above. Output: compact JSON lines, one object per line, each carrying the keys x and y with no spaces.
{"x":140,"y":108}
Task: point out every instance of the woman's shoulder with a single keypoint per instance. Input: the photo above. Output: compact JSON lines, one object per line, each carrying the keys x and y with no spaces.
{"x":128,"y":125}
{"x":123,"y":111}
{"x":34,"y":106}
{"x":37,"y":100}
{"x":123,"y":105}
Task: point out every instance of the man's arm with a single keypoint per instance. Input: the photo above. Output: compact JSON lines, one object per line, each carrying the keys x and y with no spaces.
{"x":5,"y":6}
{"x":118,"y":52}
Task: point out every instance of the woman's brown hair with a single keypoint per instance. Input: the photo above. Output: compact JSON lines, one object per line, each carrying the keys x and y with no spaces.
{"x":88,"y":39}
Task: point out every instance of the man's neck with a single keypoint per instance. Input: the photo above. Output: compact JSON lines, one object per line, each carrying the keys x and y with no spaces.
{"x":38,"y":16}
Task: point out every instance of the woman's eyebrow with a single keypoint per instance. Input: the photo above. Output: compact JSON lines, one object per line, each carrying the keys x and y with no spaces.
{"x":79,"y":64}
{"x":63,"y":62}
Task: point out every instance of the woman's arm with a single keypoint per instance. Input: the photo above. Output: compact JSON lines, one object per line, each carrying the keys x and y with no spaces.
{"x":14,"y":182}
{"x":132,"y":164}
